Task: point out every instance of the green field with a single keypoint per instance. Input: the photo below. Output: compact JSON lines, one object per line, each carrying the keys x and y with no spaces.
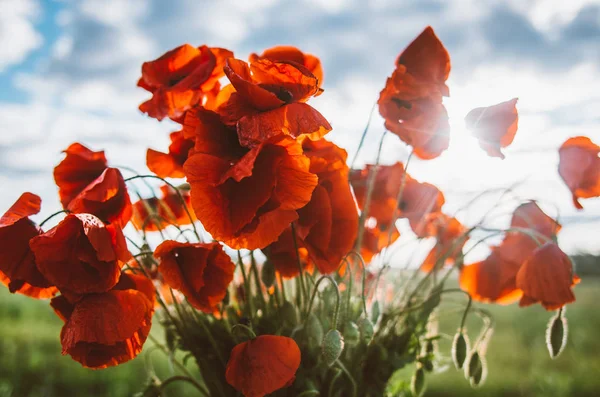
{"x":518,"y":362}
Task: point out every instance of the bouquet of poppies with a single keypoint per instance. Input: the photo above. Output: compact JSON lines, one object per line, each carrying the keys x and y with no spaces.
{"x":263,"y":255}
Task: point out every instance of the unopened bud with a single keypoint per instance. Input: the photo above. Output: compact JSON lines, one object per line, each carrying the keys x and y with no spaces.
{"x":366,"y":330}
{"x":473,"y":365}
{"x":417,"y":384}
{"x":351,"y":333}
{"x":288,"y":313}
{"x":460,"y":349}
{"x":267,"y":273}
{"x":479,"y":375}
{"x":556,"y":335}
{"x":333,"y":345}
{"x":314,"y":330}
{"x":375,"y":312}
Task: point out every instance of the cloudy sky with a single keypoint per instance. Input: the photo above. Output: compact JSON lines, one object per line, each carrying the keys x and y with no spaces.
{"x":68,"y":71}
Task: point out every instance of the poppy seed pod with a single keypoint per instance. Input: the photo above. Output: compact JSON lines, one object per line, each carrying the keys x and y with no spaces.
{"x":460,"y":349}
{"x":556,"y":335}
{"x":333,"y":345}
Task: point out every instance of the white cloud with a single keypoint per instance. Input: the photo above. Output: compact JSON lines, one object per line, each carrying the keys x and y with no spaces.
{"x":18,"y":37}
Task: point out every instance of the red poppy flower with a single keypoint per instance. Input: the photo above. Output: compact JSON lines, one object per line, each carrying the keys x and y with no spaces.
{"x":411,"y":101}
{"x":491,"y":280}
{"x":450,"y":242}
{"x":579,"y":167}
{"x":181,"y":79}
{"x":155,"y":213}
{"x":419,"y":201}
{"x":106,"y":197}
{"x":202,"y":272}
{"x":269,"y":101}
{"x":375,"y":238}
{"x":547,"y":277}
{"x":245,"y":198}
{"x":328,"y":224}
{"x":292,"y":54}
{"x":81,"y":255}
{"x":494,"y":279}
{"x":80,"y":167}
{"x":427,"y":60}
{"x":107,"y":329}
{"x":494,"y":126}
{"x":17,"y":263}
{"x":263,"y":365}
{"x":170,"y":165}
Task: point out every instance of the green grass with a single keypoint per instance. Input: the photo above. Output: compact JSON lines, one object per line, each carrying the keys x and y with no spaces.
{"x":517,"y":358}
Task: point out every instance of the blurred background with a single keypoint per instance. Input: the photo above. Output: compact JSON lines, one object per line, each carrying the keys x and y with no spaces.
{"x":68,"y":72}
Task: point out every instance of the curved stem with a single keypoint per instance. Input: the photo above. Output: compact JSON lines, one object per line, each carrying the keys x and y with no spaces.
{"x":248,"y":330}
{"x":187,"y":211}
{"x":349,"y":375}
{"x":364,"y":271}
{"x":179,"y":378}
{"x":53,"y":215}
{"x":337,"y":304}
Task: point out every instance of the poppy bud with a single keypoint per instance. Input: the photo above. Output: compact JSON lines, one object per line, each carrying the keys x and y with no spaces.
{"x":426,"y":363}
{"x":366,"y":330}
{"x":314,"y":330}
{"x":288,"y":313}
{"x":333,"y":345}
{"x":479,"y":375}
{"x":375,"y":312}
{"x":417,"y":384}
{"x":473,"y":365}
{"x":460,"y":349}
{"x":429,"y":347}
{"x":351,"y":333}
{"x":556,"y":335}
{"x":267,"y":273}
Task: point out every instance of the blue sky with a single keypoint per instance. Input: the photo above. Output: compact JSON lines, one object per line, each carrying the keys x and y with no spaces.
{"x":68,"y":71}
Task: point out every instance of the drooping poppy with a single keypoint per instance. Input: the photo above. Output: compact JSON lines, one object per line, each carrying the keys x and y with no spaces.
{"x":245,"y":198}
{"x":376,"y":237}
{"x":80,"y":167}
{"x":411,"y":101}
{"x":17,"y":263}
{"x":170,"y":165}
{"x":494,"y":126}
{"x":547,"y":277}
{"x":81,"y":255}
{"x":266,"y":99}
{"x":110,"y":328}
{"x":579,"y":167}
{"x":494,"y":279}
{"x":180,"y":79}
{"x":156,"y":213}
{"x":106,"y":197}
{"x":450,"y":235}
{"x":292,"y":54}
{"x":202,"y":272}
{"x":427,"y":60}
{"x":263,"y":365}
{"x":418,"y":201}
{"x":328,"y":224}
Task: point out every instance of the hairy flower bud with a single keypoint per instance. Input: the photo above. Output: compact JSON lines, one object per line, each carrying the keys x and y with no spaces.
{"x":417,"y":384}
{"x":351,"y":333}
{"x":366,"y":330}
{"x":333,"y":345}
{"x":314,"y":330}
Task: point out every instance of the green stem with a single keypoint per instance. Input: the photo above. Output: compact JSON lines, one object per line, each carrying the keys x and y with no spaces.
{"x":257,"y":281}
{"x":191,"y":381}
{"x":337,"y":303}
{"x":301,"y":276}
{"x":248,"y":304}
{"x":53,"y":215}
{"x":349,"y":375}
{"x":248,"y":330}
